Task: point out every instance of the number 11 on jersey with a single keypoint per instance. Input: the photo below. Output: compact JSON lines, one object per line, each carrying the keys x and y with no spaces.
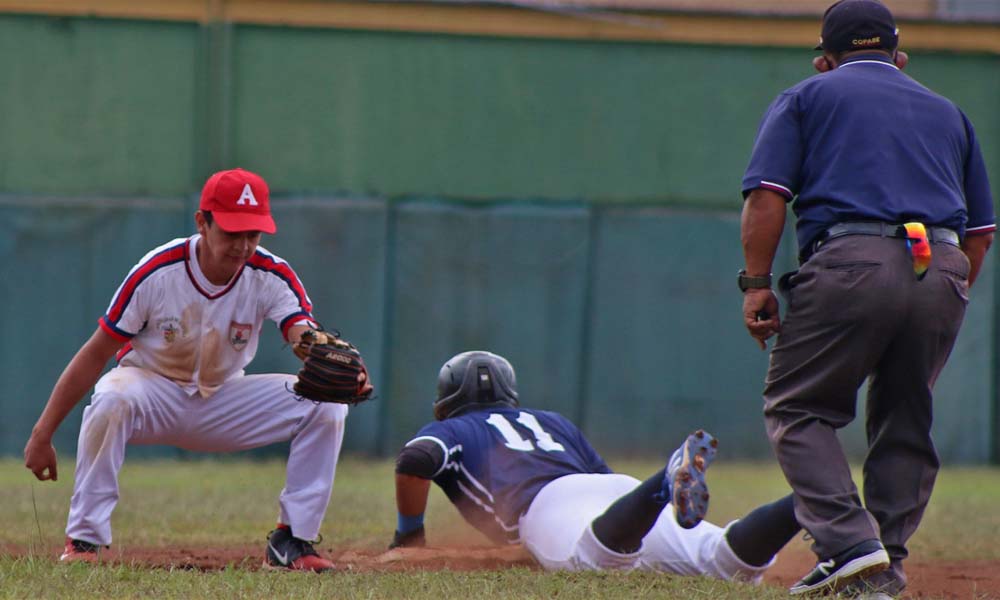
{"x":514,"y":441}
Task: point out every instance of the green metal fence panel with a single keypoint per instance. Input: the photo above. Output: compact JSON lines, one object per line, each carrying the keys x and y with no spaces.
{"x":97,"y":107}
{"x":147,"y":108}
{"x":60,"y":263}
{"x":669,"y":350}
{"x":509,"y":279}
{"x":483,"y":117}
{"x":488,"y":118}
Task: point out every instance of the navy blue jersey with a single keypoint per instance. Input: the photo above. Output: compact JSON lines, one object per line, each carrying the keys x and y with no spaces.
{"x":496,"y":461}
{"x":865,"y":142}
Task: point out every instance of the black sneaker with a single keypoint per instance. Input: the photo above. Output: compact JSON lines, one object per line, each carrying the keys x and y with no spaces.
{"x":284,"y":551}
{"x":865,"y":558}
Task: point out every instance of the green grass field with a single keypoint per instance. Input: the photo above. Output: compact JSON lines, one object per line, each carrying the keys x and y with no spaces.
{"x":232,"y":502}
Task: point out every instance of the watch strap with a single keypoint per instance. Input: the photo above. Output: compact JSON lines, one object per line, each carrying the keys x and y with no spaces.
{"x":747,"y":282}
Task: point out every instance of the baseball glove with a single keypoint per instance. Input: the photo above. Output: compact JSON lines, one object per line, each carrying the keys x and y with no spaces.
{"x":332,"y":370}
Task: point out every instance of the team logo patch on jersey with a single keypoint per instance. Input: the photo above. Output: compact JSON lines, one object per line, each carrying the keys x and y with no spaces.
{"x":169,"y":328}
{"x":239,"y":334}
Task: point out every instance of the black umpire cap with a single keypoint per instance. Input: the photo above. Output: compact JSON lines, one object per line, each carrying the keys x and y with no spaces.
{"x":858,"y":25}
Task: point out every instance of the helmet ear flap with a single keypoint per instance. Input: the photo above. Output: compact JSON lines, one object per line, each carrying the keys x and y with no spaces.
{"x":462,"y":394}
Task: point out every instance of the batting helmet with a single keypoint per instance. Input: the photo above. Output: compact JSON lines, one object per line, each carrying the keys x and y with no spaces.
{"x":474,"y":380}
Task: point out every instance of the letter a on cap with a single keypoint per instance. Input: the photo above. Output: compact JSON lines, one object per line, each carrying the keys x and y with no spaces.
{"x":247,"y":195}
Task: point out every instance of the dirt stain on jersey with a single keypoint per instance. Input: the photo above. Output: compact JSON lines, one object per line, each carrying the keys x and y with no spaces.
{"x":211,"y":376}
{"x":121,"y":379}
{"x":177,"y":361}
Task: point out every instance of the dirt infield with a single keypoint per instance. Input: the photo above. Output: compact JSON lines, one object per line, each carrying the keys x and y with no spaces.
{"x":954,"y":580}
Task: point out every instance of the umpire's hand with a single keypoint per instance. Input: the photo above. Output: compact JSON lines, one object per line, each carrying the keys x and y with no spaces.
{"x":760,"y":314}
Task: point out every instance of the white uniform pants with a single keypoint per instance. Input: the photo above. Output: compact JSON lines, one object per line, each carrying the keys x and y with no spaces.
{"x":557,"y":531}
{"x":136,"y":406}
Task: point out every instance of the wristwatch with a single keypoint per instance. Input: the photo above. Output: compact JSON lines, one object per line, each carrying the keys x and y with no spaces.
{"x":747,"y":282}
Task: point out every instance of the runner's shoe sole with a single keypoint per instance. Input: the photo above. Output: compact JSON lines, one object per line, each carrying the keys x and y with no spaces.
{"x":688,"y":487}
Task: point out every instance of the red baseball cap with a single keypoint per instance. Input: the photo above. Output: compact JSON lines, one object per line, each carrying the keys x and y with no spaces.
{"x":239,"y":201}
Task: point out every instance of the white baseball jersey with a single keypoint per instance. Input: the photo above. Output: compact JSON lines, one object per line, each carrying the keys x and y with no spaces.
{"x":197,"y":334}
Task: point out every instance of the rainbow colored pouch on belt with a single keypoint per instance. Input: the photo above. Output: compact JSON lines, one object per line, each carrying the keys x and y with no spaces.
{"x":920,"y":247}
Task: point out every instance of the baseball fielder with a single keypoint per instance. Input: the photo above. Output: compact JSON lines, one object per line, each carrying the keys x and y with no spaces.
{"x":523,"y":475}
{"x":183,"y":325}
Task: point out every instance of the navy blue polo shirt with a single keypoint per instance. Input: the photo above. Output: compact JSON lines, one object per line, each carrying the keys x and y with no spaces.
{"x":867,"y":142}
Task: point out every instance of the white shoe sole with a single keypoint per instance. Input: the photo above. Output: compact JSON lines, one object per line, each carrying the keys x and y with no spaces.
{"x":690,"y":493}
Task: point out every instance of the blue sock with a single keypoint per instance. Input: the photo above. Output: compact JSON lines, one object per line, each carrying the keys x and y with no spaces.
{"x":405,"y":524}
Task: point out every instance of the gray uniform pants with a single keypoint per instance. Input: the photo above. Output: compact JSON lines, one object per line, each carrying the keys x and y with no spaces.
{"x":856,"y":310}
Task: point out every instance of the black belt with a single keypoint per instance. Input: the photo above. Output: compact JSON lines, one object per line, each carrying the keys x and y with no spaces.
{"x":941,"y":235}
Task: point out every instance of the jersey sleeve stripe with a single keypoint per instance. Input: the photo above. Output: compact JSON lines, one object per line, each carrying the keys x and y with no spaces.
{"x":444,"y":465}
{"x":118,"y":334}
{"x":293,"y":320}
{"x":981,"y":229}
{"x":265,"y":262}
{"x":511,"y":532}
{"x":469,"y":477}
{"x":123,"y":351}
{"x":162,"y":259}
{"x":777,"y":187}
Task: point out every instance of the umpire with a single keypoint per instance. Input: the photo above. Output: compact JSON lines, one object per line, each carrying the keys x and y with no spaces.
{"x":894,"y":217}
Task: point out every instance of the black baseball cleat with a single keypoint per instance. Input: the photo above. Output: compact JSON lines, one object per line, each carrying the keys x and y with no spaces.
{"x":832,"y":575}
{"x":284,"y":551}
{"x":684,"y":481}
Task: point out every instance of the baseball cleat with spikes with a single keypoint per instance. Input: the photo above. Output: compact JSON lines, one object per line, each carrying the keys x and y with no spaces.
{"x":79,"y":551}
{"x":684,"y":482}
{"x":284,"y":551}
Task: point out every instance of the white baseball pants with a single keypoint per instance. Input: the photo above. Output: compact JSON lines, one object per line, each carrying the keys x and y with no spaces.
{"x":557,"y":531}
{"x":135,"y":406}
